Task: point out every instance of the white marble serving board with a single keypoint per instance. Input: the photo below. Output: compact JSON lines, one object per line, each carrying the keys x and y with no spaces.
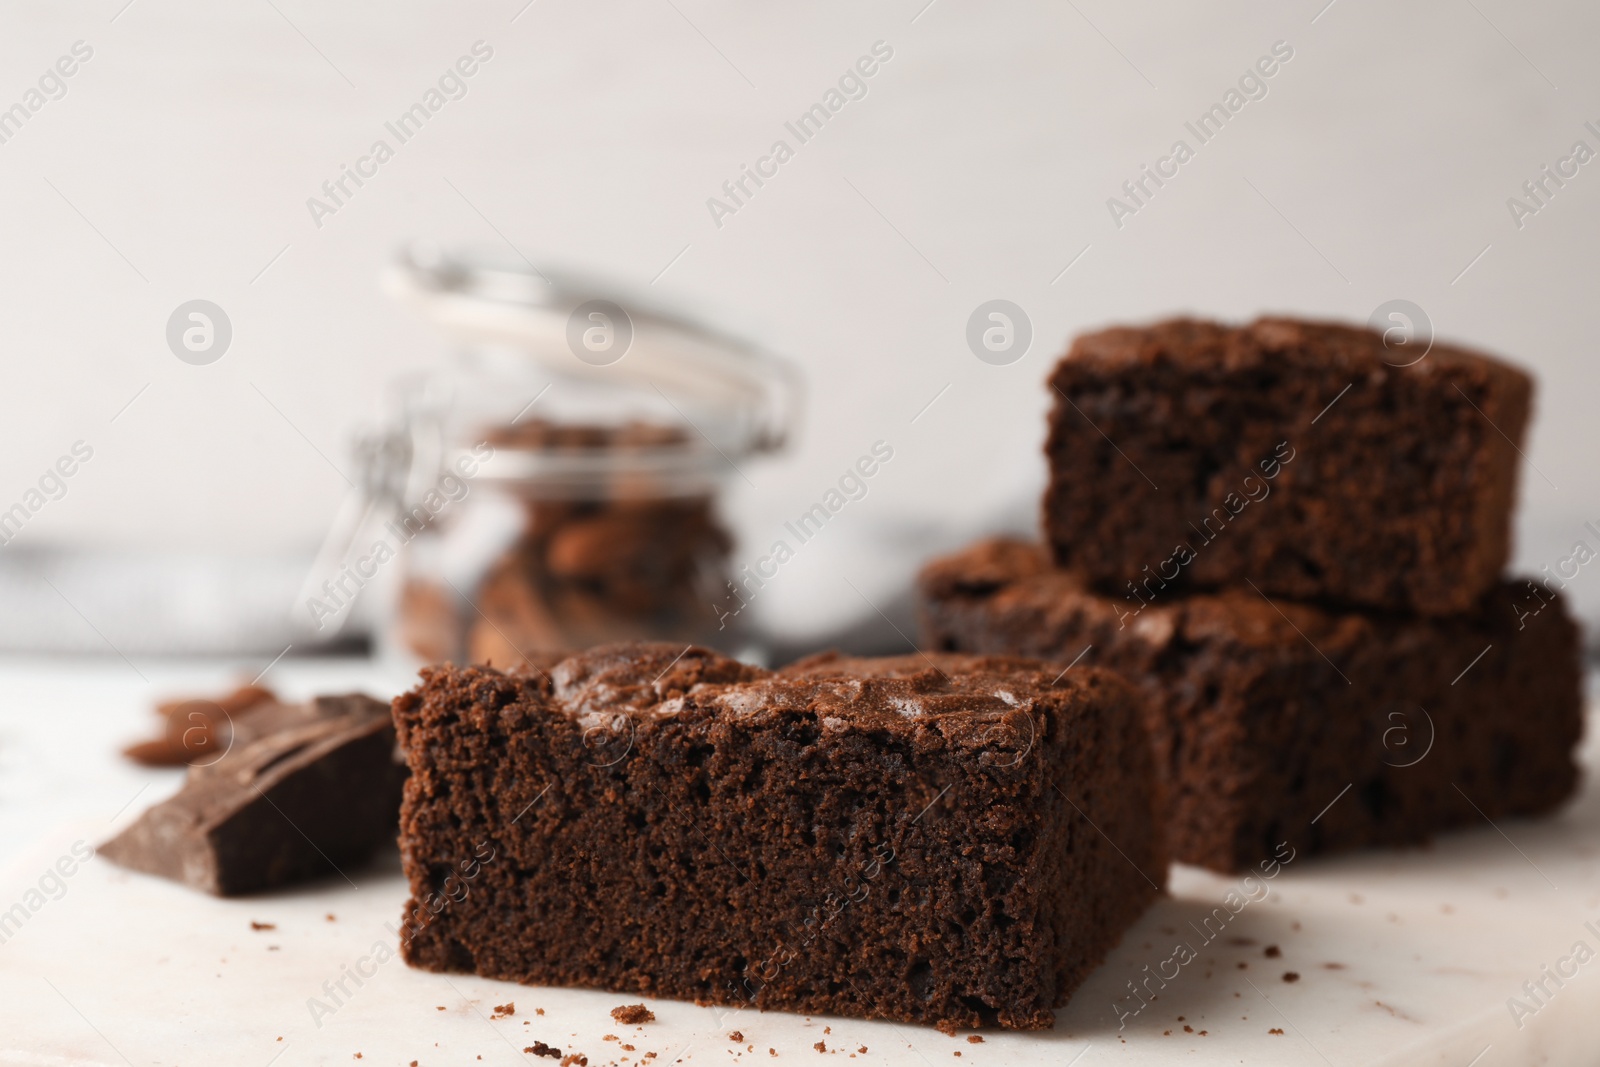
{"x":1402,"y":957}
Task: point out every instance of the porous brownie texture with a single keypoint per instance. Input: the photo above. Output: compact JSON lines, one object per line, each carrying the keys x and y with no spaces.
{"x":927,"y":840}
{"x":1263,"y":712}
{"x":1307,"y":458}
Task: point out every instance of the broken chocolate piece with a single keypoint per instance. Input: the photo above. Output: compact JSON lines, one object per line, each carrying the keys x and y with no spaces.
{"x":197,"y":730}
{"x":304,"y":790}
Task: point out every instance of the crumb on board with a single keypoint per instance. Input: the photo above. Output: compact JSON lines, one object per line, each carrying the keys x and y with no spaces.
{"x":737,"y":1037}
{"x":539,"y":1048}
{"x":633,"y":1014}
{"x":262,"y":926}
{"x":1272,"y":952}
{"x":574,"y":1059}
{"x":504,"y":1011}
{"x":1291,"y":976}
{"x":972,"y":1039}
{"x":1276,"y":1030}
{"x":821,"y":1046}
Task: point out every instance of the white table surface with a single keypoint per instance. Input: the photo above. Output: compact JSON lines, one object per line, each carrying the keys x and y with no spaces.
{"x":1403,"y":957}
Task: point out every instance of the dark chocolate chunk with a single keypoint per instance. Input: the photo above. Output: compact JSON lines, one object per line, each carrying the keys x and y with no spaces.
{"x":304,"y":790}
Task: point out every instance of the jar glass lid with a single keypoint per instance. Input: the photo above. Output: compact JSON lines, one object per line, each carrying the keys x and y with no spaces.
{"x":597,"y":337}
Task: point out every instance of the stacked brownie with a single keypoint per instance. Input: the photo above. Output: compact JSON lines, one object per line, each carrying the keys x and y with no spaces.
{"x":949,"y":840}
{"x":1293,"y":541}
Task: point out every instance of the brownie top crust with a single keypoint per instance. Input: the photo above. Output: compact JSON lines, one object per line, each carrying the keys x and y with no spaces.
{"x":1016,"y":578}
{"x":1200,"y":344}
{"x":648,"y":680}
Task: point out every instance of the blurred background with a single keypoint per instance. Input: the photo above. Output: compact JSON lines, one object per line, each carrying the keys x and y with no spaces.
{"x":196,"y":153}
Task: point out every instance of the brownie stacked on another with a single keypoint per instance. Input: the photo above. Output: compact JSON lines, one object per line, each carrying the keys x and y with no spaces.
{"x":1298,"y":456}
{"x":1409,"y":725}
{"x":1291,"y":537}
{"x":919,"y":839}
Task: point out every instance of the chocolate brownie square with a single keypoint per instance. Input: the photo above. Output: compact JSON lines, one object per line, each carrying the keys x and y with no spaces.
{"x":1274,"y":721}
{"x":1304,"y":457}
{"x":953,"y":841}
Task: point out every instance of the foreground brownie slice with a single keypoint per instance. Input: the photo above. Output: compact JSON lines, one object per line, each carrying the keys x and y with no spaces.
{"x":305,"y":790}
{"x":1263,"y":713}
{"x":1296,"y":455}
{"x":903,"y":839}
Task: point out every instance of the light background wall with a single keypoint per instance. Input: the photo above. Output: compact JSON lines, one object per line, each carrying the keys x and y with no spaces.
{"x":978,"y":166}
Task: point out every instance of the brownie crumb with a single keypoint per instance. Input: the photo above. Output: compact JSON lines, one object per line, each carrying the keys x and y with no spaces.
{"x":627,"y":1048}
{"x":538,"y":1048}
{"x":330,"y":918}
{"x":972,"y":1039}
{"x":862,"y":1050}
{"x":439,"y":1008}
{"x":538,"y":1011}
{"x":1188,"y":1029}
{"x":1334,"y":966}
{"x":574,"y":1059}
{"x":1272,"y":952}
{"x":1291,"y":976}
{"x":262,"y":926}
{"x":504,"y":1011}
{"x":633,"y":1014}
{"x":737,"y":1037}
{"x":821,"y":1046}
{"x":1276,"y":1030}
{"x":1243,"y":966}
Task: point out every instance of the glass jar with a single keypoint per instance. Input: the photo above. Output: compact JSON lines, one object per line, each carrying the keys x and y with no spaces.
{"x":557,"y":485}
